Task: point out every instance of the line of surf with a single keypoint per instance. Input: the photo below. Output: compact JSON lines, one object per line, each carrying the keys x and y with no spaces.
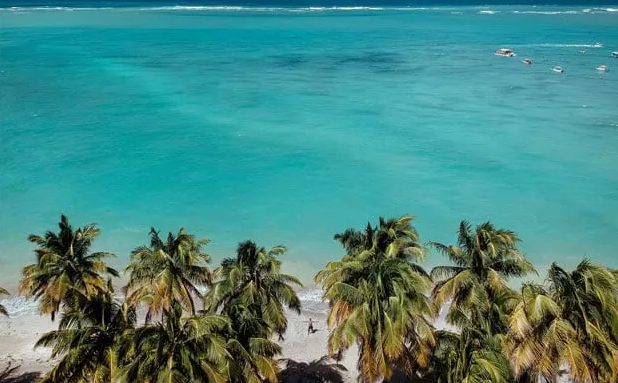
{"x":232,"y":8}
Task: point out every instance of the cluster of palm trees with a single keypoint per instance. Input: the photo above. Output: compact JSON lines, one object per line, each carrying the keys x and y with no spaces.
{"x":383,"y":301}
{"x":203,"y":325}
{"x":198,"y":325}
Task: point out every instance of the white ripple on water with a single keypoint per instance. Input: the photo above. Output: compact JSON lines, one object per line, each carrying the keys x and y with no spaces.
{"x":20,"y":306}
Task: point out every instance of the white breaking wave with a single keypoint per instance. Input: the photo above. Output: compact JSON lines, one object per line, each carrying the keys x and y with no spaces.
{"x":596,"y":45}
{"x":231,"y":8}
{"x":205,"y":8}
{"x":548,"y":12}
{"x":256,"y":9}
{"x":67,"y":9}
{"x":20,"y":306}
{"x":488,"y":12}
{"x":311,"y":300}
{"x":600,"y":10}
{"x":310,"y":295}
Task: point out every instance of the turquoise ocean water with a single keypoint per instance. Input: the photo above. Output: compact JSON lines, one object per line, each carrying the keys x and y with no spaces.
{"x":287,"y":125}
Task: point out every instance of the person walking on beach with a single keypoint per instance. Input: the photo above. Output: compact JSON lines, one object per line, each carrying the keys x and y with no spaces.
{"x":310,"y":329}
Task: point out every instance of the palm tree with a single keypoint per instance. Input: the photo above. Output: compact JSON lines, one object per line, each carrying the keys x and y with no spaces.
{"x":378,"y":299}
{"x":572,"y":322}
{"x":2,"y":308}
{"x":87,"y":340}
{"x":65,"y":267}
{"x":468,"y":356}
{"x":476,"y":285}
{"x":251,"y":291}
{"x":254,"y":279}
{"x":168,"y":271}
{"x":179,"y":349}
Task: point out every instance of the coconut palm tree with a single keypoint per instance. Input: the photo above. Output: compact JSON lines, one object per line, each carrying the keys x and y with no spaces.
{"x":253,"y":279}
{"x":378,"y":299}
{"x":65,"y":267}
{"x":168,"y":271}
{"x":179,"y":349}
{"x":252,"y":355}
{"x":252,"y":292}
{"x":572,"y":321}
{"x":467,"y":356}
{"x":87,"y":340}
{"x":2,"y":308}
{"x":484,"y":259}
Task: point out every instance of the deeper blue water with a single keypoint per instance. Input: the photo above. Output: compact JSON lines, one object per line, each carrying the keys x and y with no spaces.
{"x":287,"y":125}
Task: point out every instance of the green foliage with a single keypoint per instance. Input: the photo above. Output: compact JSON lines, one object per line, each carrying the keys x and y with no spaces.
{"x":476,"y":284}
{"x":251,"y":291}
{"x":468,"y":356}
{"x":88,"y":338}
{"x":167,"y":272}
{"x":571,"y":321}
{"x":179,"y":349}
{"x":65,"y":267}
{"x":378,"y":299}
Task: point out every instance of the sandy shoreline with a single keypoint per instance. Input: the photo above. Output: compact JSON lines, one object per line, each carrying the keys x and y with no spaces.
{"x":19,"y":333}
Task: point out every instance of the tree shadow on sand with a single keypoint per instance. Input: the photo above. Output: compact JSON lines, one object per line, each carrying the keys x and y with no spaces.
{"x":317,"y":371}
{"x":8,"y":375}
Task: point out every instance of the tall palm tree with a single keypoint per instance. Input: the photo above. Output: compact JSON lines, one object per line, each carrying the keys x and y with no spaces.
{"x":467,"y":356}
{"x":251,"y":291}
{"x":254,"y":279}
{"x":179,"y":349}
{"x":2,"y":308}
{"x":168,"y":271}
{"x":484,"y":259}
{"x":65,"y":267}
{"x":572,"y":321}
{"x":87,"y":340}
{"x":378,"y":299}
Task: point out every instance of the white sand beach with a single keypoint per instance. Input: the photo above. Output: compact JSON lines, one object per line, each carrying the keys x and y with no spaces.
{"x":19,"y":333}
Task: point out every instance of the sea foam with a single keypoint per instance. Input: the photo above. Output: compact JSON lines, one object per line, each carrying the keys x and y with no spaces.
{"x":20,"y":306}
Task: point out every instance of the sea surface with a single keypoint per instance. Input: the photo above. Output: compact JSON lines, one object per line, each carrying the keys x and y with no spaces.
{"x":286,"y":125}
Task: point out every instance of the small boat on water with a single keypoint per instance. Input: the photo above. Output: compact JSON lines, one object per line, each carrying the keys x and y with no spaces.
{"x":615,"y":55}
{"x":558,"y":69}
{"x":582,"y":51}
{"x":603,"y":68}
{"x":505,"y":52}
{"x":527,"y":61}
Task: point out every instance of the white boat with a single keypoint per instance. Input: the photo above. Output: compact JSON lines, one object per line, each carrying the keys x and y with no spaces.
{"x":527,"y":61}
{"x":603,"y":68}
{"x":558,"y":69}
{"x":505,"y":52}
{"x":615,"y":55}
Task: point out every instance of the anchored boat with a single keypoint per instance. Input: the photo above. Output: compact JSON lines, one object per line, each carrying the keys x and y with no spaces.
{"x":505,"y":52}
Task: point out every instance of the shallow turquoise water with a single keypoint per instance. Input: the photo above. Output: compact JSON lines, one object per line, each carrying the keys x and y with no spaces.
{"x":289,"y":125}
